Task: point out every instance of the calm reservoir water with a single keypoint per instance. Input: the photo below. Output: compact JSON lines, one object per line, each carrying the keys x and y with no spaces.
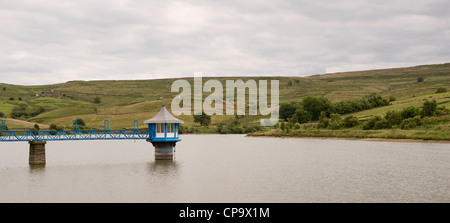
{"x":229,"y":168}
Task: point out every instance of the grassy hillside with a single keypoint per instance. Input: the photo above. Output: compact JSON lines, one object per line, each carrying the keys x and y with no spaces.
{"x":121,"y":102}
{"x":416,"y":101}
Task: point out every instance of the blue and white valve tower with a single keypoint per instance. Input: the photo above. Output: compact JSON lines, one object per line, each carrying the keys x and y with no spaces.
{"x":163,"y":133}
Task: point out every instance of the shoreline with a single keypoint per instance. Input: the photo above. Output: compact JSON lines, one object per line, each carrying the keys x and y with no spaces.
{"x":355,"y":139}
{"x":332,"y":138}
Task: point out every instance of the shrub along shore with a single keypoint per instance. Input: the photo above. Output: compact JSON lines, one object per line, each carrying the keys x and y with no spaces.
{"x":425,"y":123}
{"x":389,"y":134}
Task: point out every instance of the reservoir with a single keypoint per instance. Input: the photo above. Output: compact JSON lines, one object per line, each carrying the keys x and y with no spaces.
{"x":229,"y":168}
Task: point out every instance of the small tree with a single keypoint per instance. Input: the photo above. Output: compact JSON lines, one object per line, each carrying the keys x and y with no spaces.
{"x":282,"y":126}
{"x":335,"y":121}
{"x":37,"y":111}
{"x":441,"y":90}
{"x":393,"y":118}
{"x":36,"y":127}
{"x":53,"y":128}
{"x":419,"y":79}
{"x":370,"y":124}
{"x":381,"y":124}
{"x":19,"y":111}
{"x":410,"y":123}
{"x":97,"y":100}
{"x":429,"y":108}
{"x":203,"y":119}
{"x":323,"y":120}
{"x":287,"y":110}
{"x":351,"y":121}
{"x":80,"y":122}
{"x":315,"y":105}
{"x":294,"y":119}
{"x":302,"y":116}
{"x":410,"y":112}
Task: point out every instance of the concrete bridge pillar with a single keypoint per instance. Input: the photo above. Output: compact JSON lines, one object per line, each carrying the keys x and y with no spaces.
{"x":164,"y":150}
{"x":37,"y":153}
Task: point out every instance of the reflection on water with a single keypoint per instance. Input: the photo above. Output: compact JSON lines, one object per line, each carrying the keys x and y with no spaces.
{"x":163,"y":167}
{"x":229,"y":168}
{"x":37,"y":169}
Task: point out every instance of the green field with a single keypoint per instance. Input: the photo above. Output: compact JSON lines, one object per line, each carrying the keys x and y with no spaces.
{"x":417,"y":101}
{"x":121,"y":102}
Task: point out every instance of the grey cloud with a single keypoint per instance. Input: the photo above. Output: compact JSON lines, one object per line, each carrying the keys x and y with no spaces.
{"x":55,"y":41}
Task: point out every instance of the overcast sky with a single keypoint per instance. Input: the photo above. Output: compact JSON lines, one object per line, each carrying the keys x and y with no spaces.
{"x":54,"y":41}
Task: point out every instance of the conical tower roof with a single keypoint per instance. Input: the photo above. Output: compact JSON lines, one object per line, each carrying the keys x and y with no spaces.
{"x":163,"y":116}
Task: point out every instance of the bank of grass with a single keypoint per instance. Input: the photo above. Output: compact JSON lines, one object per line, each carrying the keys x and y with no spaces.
{"x":23,"y":125}
{"x":434,"y":128}
{"x":6,"y":107}
{"x":360,"y":134}
{"x":443,"y":99}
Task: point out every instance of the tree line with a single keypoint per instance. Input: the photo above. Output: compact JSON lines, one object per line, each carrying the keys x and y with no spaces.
{"x":23,"y":111}
{"x":234,"y":127}
{"x":310,"y":108}
{"x":408,"y":118}
{"x":329,"y":114}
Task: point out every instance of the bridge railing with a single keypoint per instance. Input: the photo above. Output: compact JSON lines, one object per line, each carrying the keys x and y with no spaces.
{"x":74,"y":134}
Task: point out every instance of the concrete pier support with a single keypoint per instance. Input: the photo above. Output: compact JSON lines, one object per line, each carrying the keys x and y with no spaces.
{"x":164,"y":150}
{"x":37,"y":153}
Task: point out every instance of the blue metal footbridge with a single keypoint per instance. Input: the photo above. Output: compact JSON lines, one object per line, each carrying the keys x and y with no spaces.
{"x":162,"y":132}
{"x":74,"y":134}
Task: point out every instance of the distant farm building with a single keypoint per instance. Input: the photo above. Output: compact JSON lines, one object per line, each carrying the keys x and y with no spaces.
{"x":51,"y":93}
